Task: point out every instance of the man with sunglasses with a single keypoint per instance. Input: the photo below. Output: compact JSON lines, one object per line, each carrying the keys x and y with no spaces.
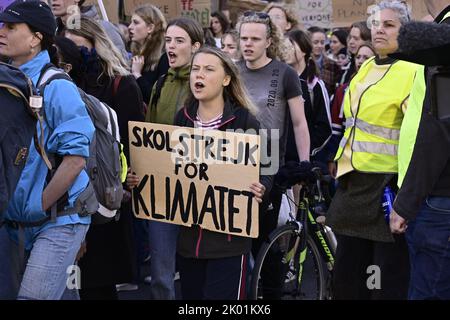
{"x":275,"y":89}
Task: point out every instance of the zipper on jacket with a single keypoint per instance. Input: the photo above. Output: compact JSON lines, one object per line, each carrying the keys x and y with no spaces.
{"x":197,"y":248}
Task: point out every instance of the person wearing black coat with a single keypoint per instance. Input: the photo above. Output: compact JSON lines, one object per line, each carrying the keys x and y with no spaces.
{"x":110,"y":256}
{"x":214,"y":265}
{"x":422,"y":206}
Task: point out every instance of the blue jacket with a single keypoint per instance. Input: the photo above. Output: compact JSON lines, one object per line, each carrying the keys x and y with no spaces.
{"x":68,"y":130}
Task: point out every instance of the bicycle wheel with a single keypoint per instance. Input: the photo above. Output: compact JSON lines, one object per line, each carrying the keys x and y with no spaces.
{"x":281,"y":271}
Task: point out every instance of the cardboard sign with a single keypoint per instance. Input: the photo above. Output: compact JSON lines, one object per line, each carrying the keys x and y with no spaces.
{"x":315,"y":13}
{"x":192,"y":176}
{"x":199,"y":10}
{"x":4,"y":4}
{"x":111,"y":6}
{"x":345,"y":12}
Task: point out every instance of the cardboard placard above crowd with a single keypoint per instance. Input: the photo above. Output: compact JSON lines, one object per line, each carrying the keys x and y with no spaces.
{"x":193,"y":176}
{"x":345,"y":12}
{"x":315,"y":13}
{"x":111,"y":7}
{"x":199,"y":10}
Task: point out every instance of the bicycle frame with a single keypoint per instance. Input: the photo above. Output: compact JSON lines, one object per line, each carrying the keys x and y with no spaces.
{"x":316,"y":231}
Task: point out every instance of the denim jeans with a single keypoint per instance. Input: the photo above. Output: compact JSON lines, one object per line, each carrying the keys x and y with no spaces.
{"x":428,"y":238}
{"x":163,"y":247}
{"x":45,"y":276}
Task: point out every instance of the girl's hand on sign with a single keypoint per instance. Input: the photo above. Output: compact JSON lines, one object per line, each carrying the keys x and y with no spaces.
{"x":132,"y":180}
{"x":258,"y":190}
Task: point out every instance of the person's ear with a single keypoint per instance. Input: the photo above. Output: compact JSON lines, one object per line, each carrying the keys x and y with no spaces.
{"x":150,"y":28}
{"x":269,"y":42}
{"x":195,"y":47}
{"x":36,"y":40}
{"x":226,"y":81}
{"x":68,"y":67}
{"x":288,"y":27}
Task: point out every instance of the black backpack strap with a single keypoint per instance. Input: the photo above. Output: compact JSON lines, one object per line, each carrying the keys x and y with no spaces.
{"x":159,"y":86}
{"x":48,"y":73}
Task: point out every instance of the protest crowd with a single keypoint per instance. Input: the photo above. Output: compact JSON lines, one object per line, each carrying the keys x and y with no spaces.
{"x":115,"y":132}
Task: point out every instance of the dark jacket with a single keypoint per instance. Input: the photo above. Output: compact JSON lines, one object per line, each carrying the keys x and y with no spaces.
{"x":428,"y":172}
{"x":316,"y":104}
{"x":148,"y":78}
{"x":111,"y":256}
{"x":195,"y":242}
{"x":17,"y":127}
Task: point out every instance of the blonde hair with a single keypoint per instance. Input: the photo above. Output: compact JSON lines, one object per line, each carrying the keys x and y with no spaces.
{"x":288,"y":11}
{"x":235,"y":91}
{"x":111,"y":59}
{"x":277,"y":49}
{"x":154,"y":43}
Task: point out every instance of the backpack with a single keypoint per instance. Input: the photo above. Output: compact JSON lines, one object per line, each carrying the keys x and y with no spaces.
{"x":104,"y":165}
{"x":17,"y":127}
{"x":158,"y":89}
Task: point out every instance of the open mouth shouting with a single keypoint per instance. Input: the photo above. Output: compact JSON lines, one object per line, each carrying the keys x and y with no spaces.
{"x":198,"y":86}
{"x":172,"y":57}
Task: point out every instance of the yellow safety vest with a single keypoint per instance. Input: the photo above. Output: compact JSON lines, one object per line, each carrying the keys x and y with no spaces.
{"x":373,"y":131}
{"x":410,"y":126}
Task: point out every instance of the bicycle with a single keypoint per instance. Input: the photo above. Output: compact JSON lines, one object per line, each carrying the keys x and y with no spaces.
{"x":304,"y":245}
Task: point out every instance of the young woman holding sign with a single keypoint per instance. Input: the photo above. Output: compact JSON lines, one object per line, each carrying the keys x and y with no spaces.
{"x":213,"y":265}
{"x":183,"y":38}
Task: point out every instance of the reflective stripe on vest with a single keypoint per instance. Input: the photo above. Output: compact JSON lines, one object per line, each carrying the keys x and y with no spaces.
{"x":371,"y":147}
{"x":387,"y":133}
{"x":373,"y":130}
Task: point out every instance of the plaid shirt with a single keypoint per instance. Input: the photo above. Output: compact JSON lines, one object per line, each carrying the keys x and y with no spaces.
{"x":330,"y":73}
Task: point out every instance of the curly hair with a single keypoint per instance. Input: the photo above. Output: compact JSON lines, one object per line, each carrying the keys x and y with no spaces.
{"x":288,"y":11}
{"x":277,"y":48}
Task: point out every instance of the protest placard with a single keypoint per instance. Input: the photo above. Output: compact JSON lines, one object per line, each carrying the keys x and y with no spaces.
{"x":111,"y":6}
{"x":317,"y":13}
{"x":345,"y":12}
{"x":199,"y":10}
{"x":193,"y":176}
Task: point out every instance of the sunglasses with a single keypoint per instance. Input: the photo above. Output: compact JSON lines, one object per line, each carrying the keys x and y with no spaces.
{"x":261,"y":15}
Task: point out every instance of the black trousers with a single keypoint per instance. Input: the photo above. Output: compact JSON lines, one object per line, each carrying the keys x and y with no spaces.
{"x":213,"y":279}
{"x":371,"y":270}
